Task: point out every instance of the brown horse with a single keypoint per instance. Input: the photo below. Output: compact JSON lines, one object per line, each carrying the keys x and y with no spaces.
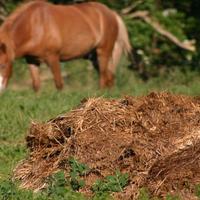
{"x":43,"y":32}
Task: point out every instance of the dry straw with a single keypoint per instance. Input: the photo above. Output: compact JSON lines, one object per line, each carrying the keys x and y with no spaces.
{"x":155,"y":139}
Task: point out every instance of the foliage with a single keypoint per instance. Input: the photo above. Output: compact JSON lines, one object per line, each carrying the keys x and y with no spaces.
{"x":144,"y":195}
{"x":152,"y":51}
{"x":197,"y":190}
{"x":9,"y":5}
{"x":77,"y":170}
{"x":57,"y":185}
{"x":169,"y":197}
{"x":9,"y":191}
{"x":58,"y":189}
{"x":114,"y":183}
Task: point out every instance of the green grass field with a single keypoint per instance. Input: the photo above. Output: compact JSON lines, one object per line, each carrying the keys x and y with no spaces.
{"x":19,"y":106}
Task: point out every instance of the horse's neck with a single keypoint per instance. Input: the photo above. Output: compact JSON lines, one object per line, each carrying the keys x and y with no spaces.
{"x":6,"y":38}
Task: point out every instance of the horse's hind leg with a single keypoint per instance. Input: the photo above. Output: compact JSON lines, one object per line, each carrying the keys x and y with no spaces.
{"x":105,"y":68}
{"x":54,"y":63}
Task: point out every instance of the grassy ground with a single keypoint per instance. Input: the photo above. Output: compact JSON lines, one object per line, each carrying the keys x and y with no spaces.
{"x":19,"y":105}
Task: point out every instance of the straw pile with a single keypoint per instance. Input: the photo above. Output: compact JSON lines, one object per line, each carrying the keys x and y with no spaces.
{"x":155,"y":139}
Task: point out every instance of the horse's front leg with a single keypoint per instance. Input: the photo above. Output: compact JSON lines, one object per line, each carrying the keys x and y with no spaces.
{"x":5,"y":76}
{"x":35,"y":75}
{"x":54,"y":63}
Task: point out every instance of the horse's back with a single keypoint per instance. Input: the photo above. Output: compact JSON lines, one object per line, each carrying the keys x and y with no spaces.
{"x":83,"y":27}
{"x":99,"y":13}
{"x":72,"y":30}
{"x":90,"y":13}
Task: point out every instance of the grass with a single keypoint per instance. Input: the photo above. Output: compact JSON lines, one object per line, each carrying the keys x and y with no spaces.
{"x":19,"y":106}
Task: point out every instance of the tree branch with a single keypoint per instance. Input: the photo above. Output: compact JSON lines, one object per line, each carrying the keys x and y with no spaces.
{"x":130,"y":8}
{"x":144,"y":15}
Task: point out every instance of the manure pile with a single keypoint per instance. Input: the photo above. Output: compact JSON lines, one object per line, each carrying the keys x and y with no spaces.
{"x":155,"y":139}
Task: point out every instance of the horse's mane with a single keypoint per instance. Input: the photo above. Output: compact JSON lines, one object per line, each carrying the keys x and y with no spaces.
{"x":20,"y":9}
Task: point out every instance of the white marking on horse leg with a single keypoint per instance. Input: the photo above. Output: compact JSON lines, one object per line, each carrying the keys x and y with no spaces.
{"x":2,"y":86}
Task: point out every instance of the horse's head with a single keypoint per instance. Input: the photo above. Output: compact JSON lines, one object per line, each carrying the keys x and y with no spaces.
{"x":5,"y":66}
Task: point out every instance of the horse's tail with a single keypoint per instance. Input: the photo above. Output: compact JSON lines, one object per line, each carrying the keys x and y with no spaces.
{"x":123,"y":37}
{"x":122,"y":44}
